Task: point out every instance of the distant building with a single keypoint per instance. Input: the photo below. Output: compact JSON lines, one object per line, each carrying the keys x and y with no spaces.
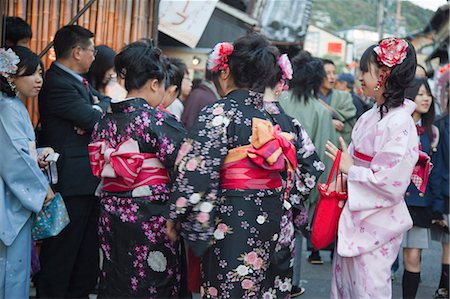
{"x":320,"y":42}
{"x":283,"y":21}
{"x":361,"y":36}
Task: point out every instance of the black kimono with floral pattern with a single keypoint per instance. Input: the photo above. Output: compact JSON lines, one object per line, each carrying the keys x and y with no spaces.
{"x":236,"y":230}
{"x":139,"y":259}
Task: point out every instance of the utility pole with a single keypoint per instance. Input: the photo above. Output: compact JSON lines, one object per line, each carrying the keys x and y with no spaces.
{"x":380,"y":19}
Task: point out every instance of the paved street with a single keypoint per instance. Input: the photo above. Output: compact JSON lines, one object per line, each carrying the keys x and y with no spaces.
{"x":316,"y":278}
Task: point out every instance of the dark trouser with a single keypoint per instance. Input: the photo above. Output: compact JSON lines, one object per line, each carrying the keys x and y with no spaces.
{"x":70,"y":261}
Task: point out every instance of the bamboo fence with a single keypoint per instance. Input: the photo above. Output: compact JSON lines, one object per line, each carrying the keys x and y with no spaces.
{"x":115,"y":23}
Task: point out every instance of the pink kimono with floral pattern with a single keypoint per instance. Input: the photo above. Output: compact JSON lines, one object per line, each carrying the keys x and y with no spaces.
{"x":375,"y":216}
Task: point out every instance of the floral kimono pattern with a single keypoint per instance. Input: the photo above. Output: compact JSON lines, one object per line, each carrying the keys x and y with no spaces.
{"x":236,"y":230}
{"x":375,"y":215}
{"x":139,"y":259}
{"x":295,"y":218}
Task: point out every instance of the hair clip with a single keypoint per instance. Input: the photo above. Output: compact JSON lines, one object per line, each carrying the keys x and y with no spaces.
{"x":218,"y":59}
{"x":286,"y":70}
{"x":8,"y":62}
{"x":391,"y":51}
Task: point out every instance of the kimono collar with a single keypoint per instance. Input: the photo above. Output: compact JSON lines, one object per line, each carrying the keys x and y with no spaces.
{"x":408,"y":105}
{"x":129,"y":105}
{"x":247,"y":97}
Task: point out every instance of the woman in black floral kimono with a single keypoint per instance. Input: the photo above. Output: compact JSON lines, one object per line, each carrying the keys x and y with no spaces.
{"x":237,"y":169}
{"x":132,"y":150}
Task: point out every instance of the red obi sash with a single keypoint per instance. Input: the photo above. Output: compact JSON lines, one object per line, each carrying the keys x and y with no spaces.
{"x":258,"y":165}
{"x":362,"y":156}
{"x":421,"y":171}
{"x":125,"y":168}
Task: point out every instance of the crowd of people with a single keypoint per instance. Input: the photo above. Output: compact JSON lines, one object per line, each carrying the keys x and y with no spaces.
{"x":211,"y":188}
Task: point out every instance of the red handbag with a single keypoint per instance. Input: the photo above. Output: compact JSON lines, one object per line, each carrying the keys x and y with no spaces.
{"x":328,"y":210}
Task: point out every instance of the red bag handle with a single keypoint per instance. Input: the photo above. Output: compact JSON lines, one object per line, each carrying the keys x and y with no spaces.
{"x":335,"y":169}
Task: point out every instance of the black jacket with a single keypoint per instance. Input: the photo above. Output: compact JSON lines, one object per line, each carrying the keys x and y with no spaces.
{"x":65,"y":103}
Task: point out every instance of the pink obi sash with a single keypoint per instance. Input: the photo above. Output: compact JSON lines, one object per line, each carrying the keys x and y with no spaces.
{"x":125,"y":168}
{"x":421,"y":171}
{"x":258,"y":165}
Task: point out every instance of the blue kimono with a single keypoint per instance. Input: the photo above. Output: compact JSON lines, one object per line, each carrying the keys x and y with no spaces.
{"x":23,"y":188}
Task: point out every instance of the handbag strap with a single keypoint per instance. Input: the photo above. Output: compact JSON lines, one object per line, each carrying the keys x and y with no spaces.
{"x":334,"y":168}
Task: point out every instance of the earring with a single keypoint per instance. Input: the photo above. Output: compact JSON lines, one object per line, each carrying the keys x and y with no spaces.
{"x":382,"y":77}
{"x":12,"y":85}
{"x":376,"y":88}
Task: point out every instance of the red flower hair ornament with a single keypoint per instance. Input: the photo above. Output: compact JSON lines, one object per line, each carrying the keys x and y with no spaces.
{"x":391,"y":51}
{"x":218,"y":59}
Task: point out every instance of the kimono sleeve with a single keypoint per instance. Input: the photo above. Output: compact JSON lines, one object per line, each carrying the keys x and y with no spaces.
{"x":310,"y":167}
{"x":19,"y":171}
{"x":170,"y":134}
{"x":385,"y":181}
{"x":306,"y":176}
{"x":198,"y":165}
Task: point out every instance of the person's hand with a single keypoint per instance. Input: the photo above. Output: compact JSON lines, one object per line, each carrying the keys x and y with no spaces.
{"x":79,"y":131}
{"x":346,"y":159}
{"x":49,"y":197}
{"x":95,"y":100}
{"x":43,"y":155}
{"x":171,"y":231}
{"x":338,"y":185}
{"x":338,"y":125}
{"x":440,"y":222}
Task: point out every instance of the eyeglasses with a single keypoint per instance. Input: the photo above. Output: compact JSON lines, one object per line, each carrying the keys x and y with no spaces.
{"x":94,"y":51}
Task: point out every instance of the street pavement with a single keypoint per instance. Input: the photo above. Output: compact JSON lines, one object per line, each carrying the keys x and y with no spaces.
{"x":316,"y":279}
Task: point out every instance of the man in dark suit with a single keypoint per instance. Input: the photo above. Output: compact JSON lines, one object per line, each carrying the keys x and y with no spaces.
{"x":69,"y":109}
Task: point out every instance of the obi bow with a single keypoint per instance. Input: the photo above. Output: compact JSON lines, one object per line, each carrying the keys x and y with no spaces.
{"x":270,"y":147}
{"x":125,"y":161}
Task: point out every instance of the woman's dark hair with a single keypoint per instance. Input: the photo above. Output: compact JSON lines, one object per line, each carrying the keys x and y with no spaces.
{"x":196,"y":83}
{"x":16,"y":29}
{"x":139,"y":62}
{"x":174,"y":74}
{"x":27,"y":66}
{"x":104,"y":60}
{"x":327,"y":61}
{"x":254,"y":63}
{"x":69,"y":37}
{"x":307,"y":77}
{"x":179,"y":64}
{"x":399,"y":79}
{"x":411,"y":93}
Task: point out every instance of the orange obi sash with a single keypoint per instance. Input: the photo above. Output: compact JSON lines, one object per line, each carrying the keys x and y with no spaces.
{"x":125,"y":168}
{"x":258,"y":165}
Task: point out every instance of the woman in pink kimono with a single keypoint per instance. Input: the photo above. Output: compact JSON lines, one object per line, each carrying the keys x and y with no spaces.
{"x":378,"y":163}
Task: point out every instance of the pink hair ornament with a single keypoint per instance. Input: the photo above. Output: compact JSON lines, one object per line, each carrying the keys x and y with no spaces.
{"x":218,"y":59}
{"x":391,"y":51}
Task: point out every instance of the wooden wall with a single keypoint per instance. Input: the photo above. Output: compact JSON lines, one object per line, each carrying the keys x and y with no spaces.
{"x":114,"y":22}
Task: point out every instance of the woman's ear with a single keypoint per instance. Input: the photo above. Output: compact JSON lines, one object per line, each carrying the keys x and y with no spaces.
{"x":154,"y":85}
{"x":383,"y":74}
{"x":225,"y":73}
